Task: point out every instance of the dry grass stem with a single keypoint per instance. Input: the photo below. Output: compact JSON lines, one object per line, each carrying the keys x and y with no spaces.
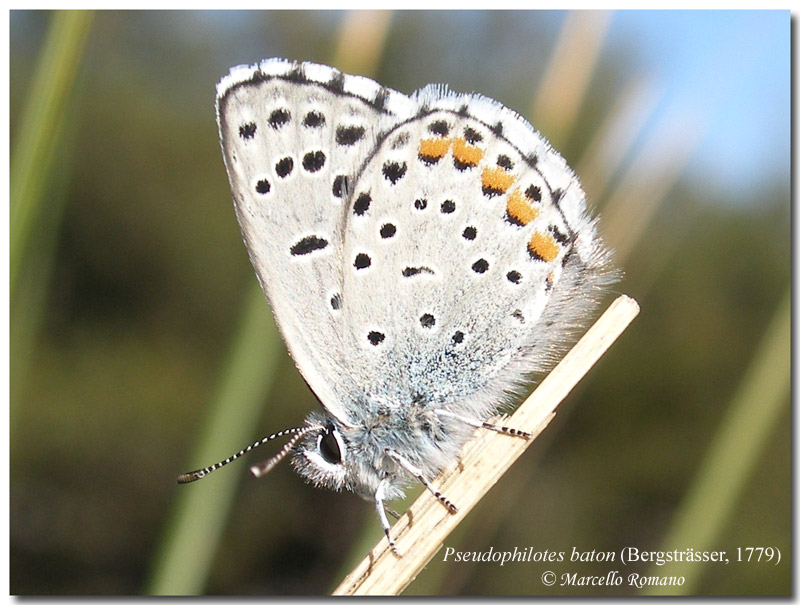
{"x":647,"y":182}
{"x":421,"y":531}
{"x":617,"y":134}
{"x":569,"y":71}
{"x":361,"y":40}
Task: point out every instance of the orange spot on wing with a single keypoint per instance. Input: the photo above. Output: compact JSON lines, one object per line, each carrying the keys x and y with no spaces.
{"x":496,"y":179}
{"x":466,"y":154}
{"x":434,"y":148}
{"x":519,"y":209}
{"x":544,"y":247}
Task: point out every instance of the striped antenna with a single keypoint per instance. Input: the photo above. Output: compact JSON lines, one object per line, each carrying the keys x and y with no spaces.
{"x":259,"y":470}
{"x":298,"y":431}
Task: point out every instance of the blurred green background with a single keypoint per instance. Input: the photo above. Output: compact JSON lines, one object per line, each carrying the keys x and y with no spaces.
{"x":141,"y":347}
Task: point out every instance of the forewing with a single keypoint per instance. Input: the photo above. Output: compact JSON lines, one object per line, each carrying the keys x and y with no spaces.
{"x":293,"y":136}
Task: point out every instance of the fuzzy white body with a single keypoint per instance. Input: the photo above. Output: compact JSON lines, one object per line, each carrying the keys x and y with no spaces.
{"x":423,"y":256}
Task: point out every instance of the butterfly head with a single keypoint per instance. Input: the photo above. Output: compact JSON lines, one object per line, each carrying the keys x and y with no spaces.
{"x":334,"y":457}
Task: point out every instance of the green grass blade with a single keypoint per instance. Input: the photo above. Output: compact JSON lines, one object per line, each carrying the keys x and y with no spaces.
{"x":760,"y":400}
{"x":41,"y":125}
{"x":28,"y":307}
{"x":200,"y":510}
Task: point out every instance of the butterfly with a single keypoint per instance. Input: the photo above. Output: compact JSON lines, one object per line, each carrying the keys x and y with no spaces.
{"x":423,"y":256}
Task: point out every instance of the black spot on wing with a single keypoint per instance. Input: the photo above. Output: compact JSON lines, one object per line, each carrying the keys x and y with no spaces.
{"x":284,"y":167}
{"x":361,"y":204}
{"x":448,"y":207}
{"x":533,"y":192}
{"x":339,"y":185}
{"x":279,"y":118}
{"x":412,"y":271}
{"x":480,"y":266}
{"x":314,"y":119}
{"x":505,"y":162}
{"x":349,"y":135}
{"x":307,"y":245}
{"x":247,"y":131}
{"x":472,"y":136}
{"x":362,"y":261}
{"x":514,"y":277}
{"x":394,"y":171}
{"x":439,"y":127}
{"x":558,"y":235}
{"x":313,"y":161}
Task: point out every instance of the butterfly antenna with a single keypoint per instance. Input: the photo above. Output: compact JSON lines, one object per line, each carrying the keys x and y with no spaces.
{"x":259,"y":470}
{"x":202,"y":472}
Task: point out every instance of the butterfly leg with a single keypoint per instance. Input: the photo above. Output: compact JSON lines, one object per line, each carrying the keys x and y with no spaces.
{"x":505,"y":430}
{"x":381,"y":508}
{"x":413,"y":470}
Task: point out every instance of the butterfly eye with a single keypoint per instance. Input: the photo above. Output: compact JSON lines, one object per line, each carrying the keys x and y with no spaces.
{"x":328,"y":447}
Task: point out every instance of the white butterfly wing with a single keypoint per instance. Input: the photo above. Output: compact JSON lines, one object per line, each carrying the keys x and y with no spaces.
{"x":471,"y":262}
{"x":293,"y":136}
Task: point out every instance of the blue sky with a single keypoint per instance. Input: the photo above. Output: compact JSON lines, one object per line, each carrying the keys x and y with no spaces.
{"x":732,"y":70}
